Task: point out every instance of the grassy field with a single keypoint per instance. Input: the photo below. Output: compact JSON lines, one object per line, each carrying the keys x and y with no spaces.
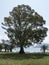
{"x":25,"y":59}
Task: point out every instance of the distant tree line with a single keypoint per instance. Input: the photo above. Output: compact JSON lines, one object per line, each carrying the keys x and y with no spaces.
{"x":6,"y":46}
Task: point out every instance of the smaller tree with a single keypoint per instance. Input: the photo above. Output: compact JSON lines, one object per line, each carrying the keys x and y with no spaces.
{"x":11,"y":46}
{"x":5,"y":47}
{"x":44,"y":48}
{"x":8,"y":45}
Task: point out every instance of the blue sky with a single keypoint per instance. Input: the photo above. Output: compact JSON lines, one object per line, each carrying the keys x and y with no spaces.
{"x":40,"y":6}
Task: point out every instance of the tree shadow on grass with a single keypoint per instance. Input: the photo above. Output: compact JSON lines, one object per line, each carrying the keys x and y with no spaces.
{"x":17,"y":56}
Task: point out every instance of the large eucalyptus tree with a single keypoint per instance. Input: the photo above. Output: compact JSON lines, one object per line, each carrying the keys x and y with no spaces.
{"x":24,"y":26}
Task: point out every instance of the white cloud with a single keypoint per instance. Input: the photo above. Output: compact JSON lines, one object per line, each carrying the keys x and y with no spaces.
{"x":3,"y":37}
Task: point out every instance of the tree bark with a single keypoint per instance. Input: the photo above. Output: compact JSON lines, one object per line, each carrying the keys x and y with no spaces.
{"x":21,"y":50}
{"x":44,"y":51}
{"x":10,"y":50}
{"x":5,"y":50}
{"x":0,"y":50}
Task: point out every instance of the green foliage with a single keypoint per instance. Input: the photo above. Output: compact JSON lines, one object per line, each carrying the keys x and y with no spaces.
{"x":24,"y":26}
{"x":7,"y":45}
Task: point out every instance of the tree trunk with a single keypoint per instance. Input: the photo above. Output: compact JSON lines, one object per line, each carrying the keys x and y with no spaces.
{"x":10,"y":50}
{"x":21,"y":50}
{"x":5,"y":50}
{"x":0,"y":50}
{"x":44,"y":51}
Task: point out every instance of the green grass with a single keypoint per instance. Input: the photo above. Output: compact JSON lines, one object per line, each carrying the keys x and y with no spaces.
{"x":25,"y":59}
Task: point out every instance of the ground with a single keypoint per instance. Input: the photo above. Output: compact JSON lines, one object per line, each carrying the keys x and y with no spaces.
{"x":24,"y":59}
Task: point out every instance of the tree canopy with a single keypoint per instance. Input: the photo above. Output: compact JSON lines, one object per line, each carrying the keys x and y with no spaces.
{"x":24,"y":26}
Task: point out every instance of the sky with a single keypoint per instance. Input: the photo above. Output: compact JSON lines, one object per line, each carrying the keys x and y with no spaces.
{"x":40,"y":6}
